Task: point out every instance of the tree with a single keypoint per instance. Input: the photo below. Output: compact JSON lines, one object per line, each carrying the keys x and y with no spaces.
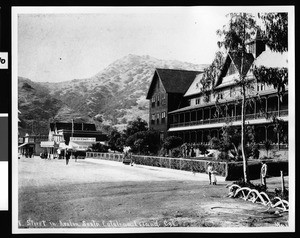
{"x":276,"y":37}
{"x":231,"y":139}
{"x":115,"y":140}
{"x":241,"y":29}
{"x":276,"y":32}
{"x":136,"y":126}
{"x":144,"y":142}
{"x":98,"y":147}
{"x":172,"y":142}
{"x":267,"y":144}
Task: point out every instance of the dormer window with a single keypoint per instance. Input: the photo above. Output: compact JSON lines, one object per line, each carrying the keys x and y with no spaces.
{"x":231,"y":69}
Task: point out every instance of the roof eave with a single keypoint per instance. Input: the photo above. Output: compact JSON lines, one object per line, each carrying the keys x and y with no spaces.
{"x":150,"y":87}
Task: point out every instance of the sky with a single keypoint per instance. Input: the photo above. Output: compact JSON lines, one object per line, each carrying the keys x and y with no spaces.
{"x":60,"y":44}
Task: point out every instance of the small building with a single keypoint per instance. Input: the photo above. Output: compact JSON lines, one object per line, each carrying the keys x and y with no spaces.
{"x":31,"y":144}
{"x":77,"y":136}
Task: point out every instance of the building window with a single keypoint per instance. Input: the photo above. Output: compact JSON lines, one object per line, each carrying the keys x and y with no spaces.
{"x":153,"y":119}
{"x":163,"y":99}
{"x":163,"y":117}
{"x":157,"y":118}
{"x":262,"y":87}
{"x":197,"y":101}
{"x":220,"y":95}
{"x":153,"y":101}
{"x":157,"y":99}
{"x":232,"y":92}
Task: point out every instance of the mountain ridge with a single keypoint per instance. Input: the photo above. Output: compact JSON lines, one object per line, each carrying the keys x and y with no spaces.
{"x":114,"y":96}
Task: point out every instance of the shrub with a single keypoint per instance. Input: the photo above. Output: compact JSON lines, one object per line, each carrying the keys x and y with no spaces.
{"x":171,"y":142}
{"x":214,"y":143}
{"x":223,"y":156}
{"x":176,"y":153}
{"x":98,"y":147}
{"x":267,"y":144}
{"x":203,"y":149}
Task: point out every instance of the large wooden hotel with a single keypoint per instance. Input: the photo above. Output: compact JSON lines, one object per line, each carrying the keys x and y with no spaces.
{"x":177,"y":106}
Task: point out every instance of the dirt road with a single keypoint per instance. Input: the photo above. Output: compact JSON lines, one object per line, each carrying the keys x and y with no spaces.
{"x":106,"y":194}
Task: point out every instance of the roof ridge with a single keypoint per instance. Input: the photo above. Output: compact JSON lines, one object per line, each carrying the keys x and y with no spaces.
{"x":179,"y":70}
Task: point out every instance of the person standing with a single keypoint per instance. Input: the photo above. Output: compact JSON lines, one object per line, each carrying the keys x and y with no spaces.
{"x":263,"y":173}
{"x":209,"y":171}
{"x":68,"y":154}
{"x":214,"y":177}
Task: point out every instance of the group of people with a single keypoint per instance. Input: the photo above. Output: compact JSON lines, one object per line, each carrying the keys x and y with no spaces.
{"x":68,"y":154}
{"x":213,"y":179}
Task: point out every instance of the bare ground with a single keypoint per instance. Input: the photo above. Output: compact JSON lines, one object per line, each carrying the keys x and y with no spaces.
{"x":96,"y":193}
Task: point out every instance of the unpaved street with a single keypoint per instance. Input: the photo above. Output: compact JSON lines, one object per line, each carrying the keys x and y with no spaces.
{"x":106,"y":194}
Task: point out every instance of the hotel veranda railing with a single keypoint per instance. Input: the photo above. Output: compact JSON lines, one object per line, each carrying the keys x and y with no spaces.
{"x":267,"y":115}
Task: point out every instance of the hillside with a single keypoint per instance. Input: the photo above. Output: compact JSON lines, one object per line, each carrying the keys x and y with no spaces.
{"x":114,"y":96}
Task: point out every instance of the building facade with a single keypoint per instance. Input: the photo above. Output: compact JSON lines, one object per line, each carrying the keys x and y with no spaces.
{"x":78,"y":136}
{"x":199,"y":117}
{"x":31,"y":144}
{"x":165,"y":94}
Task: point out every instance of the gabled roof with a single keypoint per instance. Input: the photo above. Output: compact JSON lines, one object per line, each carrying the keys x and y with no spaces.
{"x":195,"y":87}
{"x":236,"y":59}
{"x":173,"y":80}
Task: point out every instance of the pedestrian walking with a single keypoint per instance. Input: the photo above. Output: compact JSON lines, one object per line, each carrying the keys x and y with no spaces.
{"x":263,"y":173}
{"x":209,"y":170}
{"x":68,"y":154}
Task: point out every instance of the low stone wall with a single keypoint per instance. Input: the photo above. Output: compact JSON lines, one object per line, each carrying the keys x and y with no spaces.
{"x":230,"y":170}
{"x":197,"y":166}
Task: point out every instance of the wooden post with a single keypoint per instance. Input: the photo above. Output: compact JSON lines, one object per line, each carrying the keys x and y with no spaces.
{"x":282,"y":182}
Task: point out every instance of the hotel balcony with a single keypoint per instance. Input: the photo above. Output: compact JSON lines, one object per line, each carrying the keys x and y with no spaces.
{"x":228,"y":119}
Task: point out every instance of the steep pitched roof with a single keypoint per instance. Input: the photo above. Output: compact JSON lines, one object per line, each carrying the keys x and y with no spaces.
{"x":173,"y":80}
{"x":195,"y":87}
{"x":236,"y":59}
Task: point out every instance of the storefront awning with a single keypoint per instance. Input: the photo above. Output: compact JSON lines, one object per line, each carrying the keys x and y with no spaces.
{"x":23,"y":145}
{"x":47,"y":144}
{"x":80,"y":145}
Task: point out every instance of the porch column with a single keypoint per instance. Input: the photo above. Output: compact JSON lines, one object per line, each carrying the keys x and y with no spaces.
{"x":266,"y":132}
{"x":278,"y":108}
{"x":235,"y":111}
{"x":255,"y":109}
{"x":196,"y":136}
